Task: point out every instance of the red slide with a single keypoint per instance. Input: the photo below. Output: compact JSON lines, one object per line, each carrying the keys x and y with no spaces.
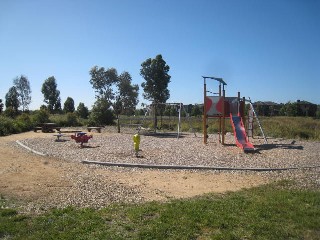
{"x":240,"y":134}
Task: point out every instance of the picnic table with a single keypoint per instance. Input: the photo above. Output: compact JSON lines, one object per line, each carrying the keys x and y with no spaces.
{"x":47,"y":127}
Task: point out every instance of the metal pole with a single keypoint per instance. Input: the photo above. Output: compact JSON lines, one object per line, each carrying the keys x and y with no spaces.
{"x":238,"y":103}
{"x":243,"y":109}
{"x":204,"y":111}
{"x":223,"y":115}
{"x":220,"y":120}
{"x":179,"y":123}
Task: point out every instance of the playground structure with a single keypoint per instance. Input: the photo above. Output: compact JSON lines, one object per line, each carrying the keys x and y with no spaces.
{"x":81,"y":137}
{"x":223,"y":107}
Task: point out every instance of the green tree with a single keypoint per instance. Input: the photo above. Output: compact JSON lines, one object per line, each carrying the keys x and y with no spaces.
{"x":196,"y":111}
{"x":82,"y":111}
{"x":291,"y":109}
{"x":103,"y":81}
{"x":155,"y":73}
{"x":51,"y":95}
{"x":12,"y":99}
{"x":69,"y":105}
{"x":1,"y":106}
{"x":22,"y":85}
{"x":170,"y":110}
{"x":318,"y":112}
{"x":101,"y":113}
{"x":127,"y":94}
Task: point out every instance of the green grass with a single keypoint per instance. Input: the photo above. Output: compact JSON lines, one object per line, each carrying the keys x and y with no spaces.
{"x":291,"y":127}
{"x":279,"y":127}
{"x":274,"y":211}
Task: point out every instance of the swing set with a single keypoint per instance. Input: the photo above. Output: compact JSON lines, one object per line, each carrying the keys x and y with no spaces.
{"x":170,"y":125}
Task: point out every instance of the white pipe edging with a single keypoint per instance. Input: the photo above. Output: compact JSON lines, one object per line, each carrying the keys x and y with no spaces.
{"x":31,"y":150}
{"x":198,"y":167}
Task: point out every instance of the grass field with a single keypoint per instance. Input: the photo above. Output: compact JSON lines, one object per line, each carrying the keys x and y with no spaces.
{"x":275,"y":211}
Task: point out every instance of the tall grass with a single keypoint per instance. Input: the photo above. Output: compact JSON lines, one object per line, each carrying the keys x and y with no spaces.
{"x":291,"y":127}
{"x":280,"y":127}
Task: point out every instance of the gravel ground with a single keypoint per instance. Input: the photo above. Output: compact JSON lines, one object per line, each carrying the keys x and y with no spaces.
{"x":187,"y":150}
{"x":59,"y":179}
{"x":166,"y":149}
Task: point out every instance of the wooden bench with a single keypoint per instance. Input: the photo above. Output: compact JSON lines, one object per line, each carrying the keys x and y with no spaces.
{"x":96,"y":128}
{"x":131,"y":125}
{"x":35,"y":129}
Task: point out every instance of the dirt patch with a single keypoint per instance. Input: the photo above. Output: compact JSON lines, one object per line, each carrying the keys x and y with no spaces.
{"x":23,"y":175}
{"x":33,"y":178}
{"x":161,"y":185}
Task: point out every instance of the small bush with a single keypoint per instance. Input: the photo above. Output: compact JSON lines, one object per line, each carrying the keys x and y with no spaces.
{"x":24,"y":122}
{"x":100,"y":118}
{"x":65,"y":120}
{"x":6,"y":126}
{"x":101,"y":114}
{"x":40,"y":116}
{"x":72,"y":119}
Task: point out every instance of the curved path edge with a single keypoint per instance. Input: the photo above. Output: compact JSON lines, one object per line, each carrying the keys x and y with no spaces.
{"x":188,"y":167}
{"x":181,"y":167}
{"x":31,"y":150}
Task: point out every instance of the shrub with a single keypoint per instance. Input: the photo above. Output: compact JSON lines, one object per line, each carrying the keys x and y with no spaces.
{"x":6,"y":126}
{"x":65,"y":120}
{"x":10,"y":112}
{"x":101,"y":117}
{"x":40,"y":116}
{"x":72,"y":119}
{"x":23,"y":123}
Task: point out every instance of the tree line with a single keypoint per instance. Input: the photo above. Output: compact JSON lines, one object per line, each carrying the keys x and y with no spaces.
{"x":115,"y":93}
{"x":290,"y":109}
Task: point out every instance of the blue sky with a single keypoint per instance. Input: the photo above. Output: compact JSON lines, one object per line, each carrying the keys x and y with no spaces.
{"x":267,"y":50}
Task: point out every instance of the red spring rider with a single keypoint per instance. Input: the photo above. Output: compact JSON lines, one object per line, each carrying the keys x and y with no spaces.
{"x":81,"y":138}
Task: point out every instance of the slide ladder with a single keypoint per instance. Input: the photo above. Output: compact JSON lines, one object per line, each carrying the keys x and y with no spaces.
{"x":240,"y":134}
{"x":256,"y":115}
